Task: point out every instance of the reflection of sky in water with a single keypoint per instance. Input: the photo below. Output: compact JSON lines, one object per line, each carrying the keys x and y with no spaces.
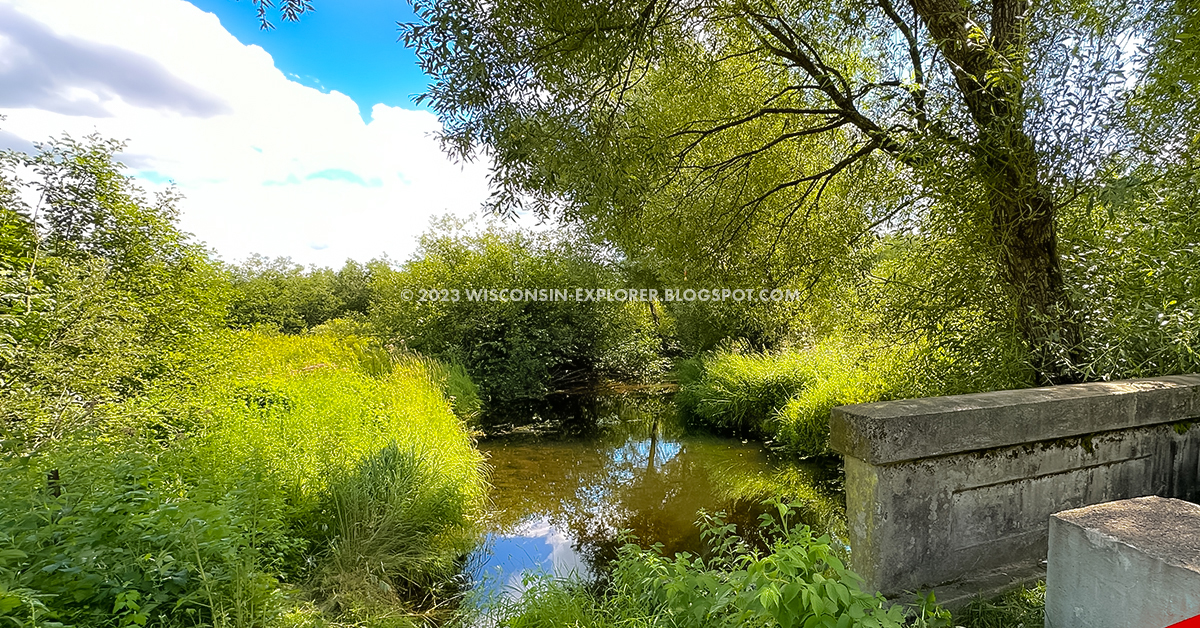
{"x":546,"y":537}
{"x":634,"y":456}
{"x":535,"y":546}
{"x":558,"y":503}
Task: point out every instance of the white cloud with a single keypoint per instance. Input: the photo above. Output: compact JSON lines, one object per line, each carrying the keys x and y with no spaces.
{"x":268,"y":165}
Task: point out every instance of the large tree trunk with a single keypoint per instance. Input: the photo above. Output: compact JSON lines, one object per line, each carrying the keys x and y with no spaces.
{"x":1025,"y":227}
{"x":988,"y":74}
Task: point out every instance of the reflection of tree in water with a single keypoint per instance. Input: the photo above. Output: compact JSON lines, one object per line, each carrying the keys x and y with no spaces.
{"x":632,"y":468}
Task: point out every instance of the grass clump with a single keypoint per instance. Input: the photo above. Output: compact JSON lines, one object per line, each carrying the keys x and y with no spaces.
{"x":844,"y":375}
{"x":787,"y":396}
{"x":1020,"y":608}
{"x":377,"y":474}
{"x":736,"y":389}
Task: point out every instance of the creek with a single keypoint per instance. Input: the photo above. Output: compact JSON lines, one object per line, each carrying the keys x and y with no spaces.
{"x":563,"y":490}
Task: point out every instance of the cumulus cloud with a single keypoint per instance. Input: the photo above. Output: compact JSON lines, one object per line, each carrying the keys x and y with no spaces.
{"x":267,"y":165}
{"x":45,"y":70}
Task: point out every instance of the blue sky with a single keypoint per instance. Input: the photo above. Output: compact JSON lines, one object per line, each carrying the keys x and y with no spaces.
{"x":346,"y":45}
{"x":302,"y":141}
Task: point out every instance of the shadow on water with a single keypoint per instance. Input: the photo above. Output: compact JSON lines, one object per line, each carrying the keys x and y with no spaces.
{"x":563,"y":490}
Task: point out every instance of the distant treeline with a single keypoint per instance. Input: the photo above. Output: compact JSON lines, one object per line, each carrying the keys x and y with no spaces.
{"x":291,"y":298}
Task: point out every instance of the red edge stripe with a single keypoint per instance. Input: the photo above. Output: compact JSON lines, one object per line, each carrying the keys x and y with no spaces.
{"x":1187,"y":623}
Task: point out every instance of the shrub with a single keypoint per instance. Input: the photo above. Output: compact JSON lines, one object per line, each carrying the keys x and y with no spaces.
{"x":283,"y":294}
{"x":211,"y":499}
{"x":116,"y":538}
{"x":197,"y":475}
{"x":519,"y":351}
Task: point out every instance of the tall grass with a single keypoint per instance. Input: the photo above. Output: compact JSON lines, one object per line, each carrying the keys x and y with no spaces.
{"x":1019,"y":608}
{"x":787,"y":396}
{"x":378,"y":473}
{"x":737,"y":390}
{"x":293,"y":481}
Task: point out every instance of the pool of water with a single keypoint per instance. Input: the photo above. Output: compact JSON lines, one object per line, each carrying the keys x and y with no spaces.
{"x":561,"y":495}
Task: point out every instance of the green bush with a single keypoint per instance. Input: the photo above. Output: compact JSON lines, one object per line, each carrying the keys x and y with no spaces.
{"x":1130,"y":258}
{"x":283,"y":294}
{"x":102,"y":294}
{"x":118,"y":538}
{"x":844,"y":375}
{"x":519,"y":351}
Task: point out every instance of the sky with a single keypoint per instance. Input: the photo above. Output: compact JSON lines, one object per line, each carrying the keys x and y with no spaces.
{"x":302,"y":141}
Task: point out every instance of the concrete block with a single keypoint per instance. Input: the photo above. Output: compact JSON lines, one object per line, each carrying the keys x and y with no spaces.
{"x":1134,"y":562}
{"x":956,"y":489}
{"x":887,"y":432}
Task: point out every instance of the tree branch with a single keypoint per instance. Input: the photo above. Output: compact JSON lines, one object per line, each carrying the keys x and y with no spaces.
{"x":914,"y":56}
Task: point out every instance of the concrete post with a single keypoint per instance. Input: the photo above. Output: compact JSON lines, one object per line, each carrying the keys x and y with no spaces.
{"x":1134,"y":562}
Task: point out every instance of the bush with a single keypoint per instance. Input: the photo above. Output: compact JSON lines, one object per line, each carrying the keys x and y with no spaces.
{"x":520,"y":351}
{"x":303,"y":407}
{"x":115,"y":538}
{"x":376,"y":472}
{"x":844,"y":375}
{"x":103,"y":295}
{"x":1130,"y":258}
{"x":284,"y":295}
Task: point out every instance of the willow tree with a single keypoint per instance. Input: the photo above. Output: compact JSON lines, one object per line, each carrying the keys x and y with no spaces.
{"x":986,"y":117}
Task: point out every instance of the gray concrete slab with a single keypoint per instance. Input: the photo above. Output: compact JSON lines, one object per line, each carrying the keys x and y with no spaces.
{"x":1133,"y":562}
{"x":944,"y":491}
{"x":895,"y":431}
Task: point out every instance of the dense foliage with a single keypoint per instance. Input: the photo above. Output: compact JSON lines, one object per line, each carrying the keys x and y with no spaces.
{"x":982,"y":135}
{"x":159,"y":469}
{"x":102,"y":292}
{"x":463,"y":298}
{"x":284,"y":295}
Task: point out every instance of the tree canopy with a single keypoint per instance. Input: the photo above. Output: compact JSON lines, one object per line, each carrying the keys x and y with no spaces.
{"x":822,"y":122}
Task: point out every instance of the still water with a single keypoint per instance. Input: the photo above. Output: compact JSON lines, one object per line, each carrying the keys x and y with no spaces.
{"x":562,"y":494}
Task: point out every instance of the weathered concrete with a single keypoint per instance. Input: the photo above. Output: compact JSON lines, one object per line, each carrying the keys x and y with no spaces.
{"x":1134,"y":562}
{"x":954,"y":488}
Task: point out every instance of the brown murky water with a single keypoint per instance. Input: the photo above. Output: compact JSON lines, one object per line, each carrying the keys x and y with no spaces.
{"x":560,"y":497}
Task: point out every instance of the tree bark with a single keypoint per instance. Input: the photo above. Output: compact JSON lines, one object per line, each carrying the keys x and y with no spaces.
{"x":988,"y":74}
{"x":1024,"y":223}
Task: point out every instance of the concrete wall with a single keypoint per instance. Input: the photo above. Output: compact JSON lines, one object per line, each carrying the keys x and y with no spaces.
{"x":959,"y":488}
{"x":1134,"y":562}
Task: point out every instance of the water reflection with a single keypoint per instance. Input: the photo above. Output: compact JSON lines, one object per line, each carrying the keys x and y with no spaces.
{"x":561,"y":496}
